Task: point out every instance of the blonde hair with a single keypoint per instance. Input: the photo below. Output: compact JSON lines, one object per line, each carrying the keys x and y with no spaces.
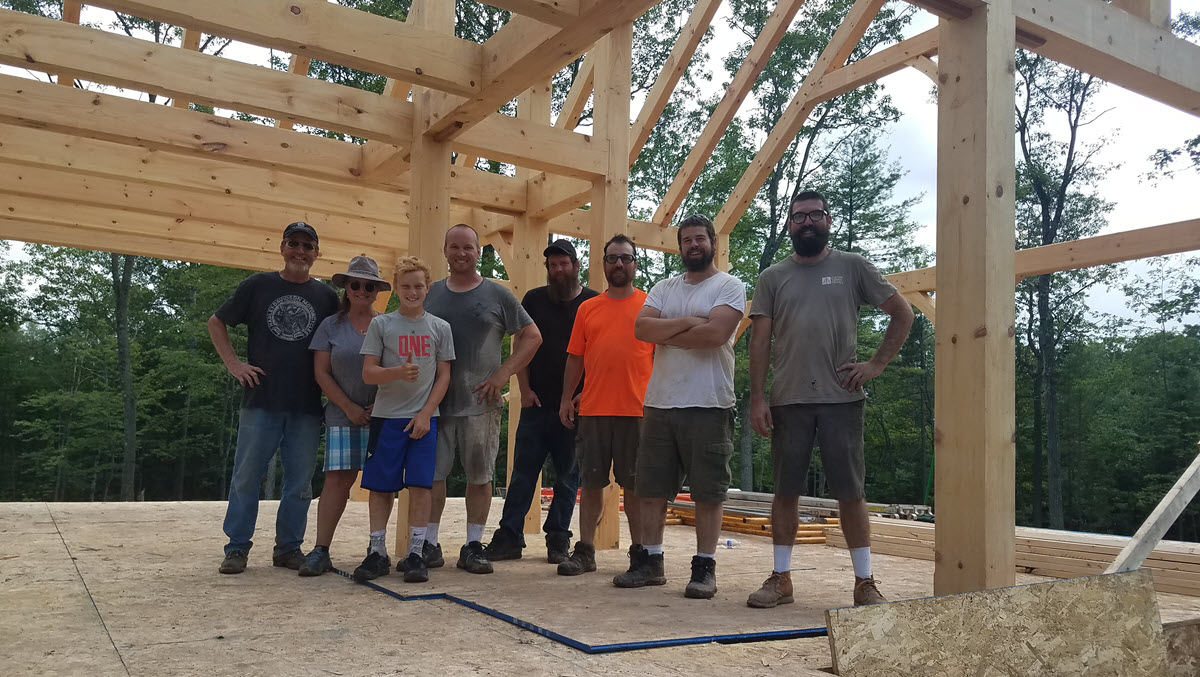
{"x":410,"y":264}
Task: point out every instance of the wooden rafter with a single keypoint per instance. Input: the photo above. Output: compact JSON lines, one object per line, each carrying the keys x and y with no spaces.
{"x":788,"y":126}
{"x":756,"y":60}
{"x":191,"y":42}
{"x":577,"y":97}
{"x":553,"y":12}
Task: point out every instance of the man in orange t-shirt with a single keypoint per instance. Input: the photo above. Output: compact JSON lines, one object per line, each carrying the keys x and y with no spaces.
{"x":618,"y":369}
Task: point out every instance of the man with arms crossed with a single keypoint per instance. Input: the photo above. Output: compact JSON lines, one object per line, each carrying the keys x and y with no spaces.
{"x":540,"y":432}
{"x":687,"y":427}
{"x":809,"y":303}
{"x":281,"y":401}
{"x":610,"y":408}
{"x":480,"y":313}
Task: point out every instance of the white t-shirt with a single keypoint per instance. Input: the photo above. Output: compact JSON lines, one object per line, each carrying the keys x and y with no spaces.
{"x":696,"y":377}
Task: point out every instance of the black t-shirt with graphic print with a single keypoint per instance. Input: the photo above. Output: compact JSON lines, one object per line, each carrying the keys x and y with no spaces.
{"x":280,"y":317}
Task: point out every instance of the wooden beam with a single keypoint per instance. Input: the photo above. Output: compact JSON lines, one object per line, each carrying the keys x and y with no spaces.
{"x":756,"y":60}
{"x":1157,"y":12}
{"x":578,"y":223}
{"x":975,"y":434}
{"x":851,"y":30}
{"x":1129,"y":245}
{"x":553,"y":12}
{"x":535,"y":145}
{"x":524,"y":52}
{"x":924,"y":303}
{"x":673,"y":69}
{"x":577,"y":97}
{"x":191,"y":42}
{"x":297,"y":65}
{"x":430,"y":214}
{"x":71,"y":10}
{"x":1117,"y":47}
{"x":926,"y":66}
{"x":329,"y":32}
{"x":550,"y":196}
{"x":1155,"y":527}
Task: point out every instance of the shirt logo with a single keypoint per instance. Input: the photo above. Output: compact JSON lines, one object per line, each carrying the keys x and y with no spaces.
{"x":837,"y":279}
{"x":291,"y":318}
{"x":419,"y":345}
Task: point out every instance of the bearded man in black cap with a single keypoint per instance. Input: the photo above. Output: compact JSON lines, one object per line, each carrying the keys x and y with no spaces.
{"x":281,"y":401}
{"x":541,"y":432}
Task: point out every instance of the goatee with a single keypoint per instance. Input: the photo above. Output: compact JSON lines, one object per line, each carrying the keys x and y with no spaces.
{"x":809,"y":246}
{"x":695,"y":265}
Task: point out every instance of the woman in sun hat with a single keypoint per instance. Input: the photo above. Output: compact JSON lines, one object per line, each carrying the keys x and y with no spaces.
{"x":338,"y":367}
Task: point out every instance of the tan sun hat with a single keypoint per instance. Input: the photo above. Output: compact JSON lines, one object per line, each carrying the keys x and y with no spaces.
{"x":364,"y":268}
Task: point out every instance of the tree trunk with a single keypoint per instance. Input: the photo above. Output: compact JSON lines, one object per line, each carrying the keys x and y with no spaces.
{"x":1050,"y":381}
{"x":122,"y":277}
{"x":181,"y":459}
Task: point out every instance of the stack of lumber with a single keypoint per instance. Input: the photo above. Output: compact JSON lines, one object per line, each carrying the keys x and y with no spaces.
{"x":1045,"y":552}
{"x":751,"y":525}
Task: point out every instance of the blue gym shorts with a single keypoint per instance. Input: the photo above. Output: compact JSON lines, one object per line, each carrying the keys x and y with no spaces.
{"x":395,"y":460}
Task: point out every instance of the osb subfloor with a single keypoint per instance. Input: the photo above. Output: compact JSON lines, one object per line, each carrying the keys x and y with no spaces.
{"x":132,"y":589}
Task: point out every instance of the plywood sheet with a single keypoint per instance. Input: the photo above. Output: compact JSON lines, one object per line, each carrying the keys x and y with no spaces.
{"x":1098,"y":626}
{"x":1183,"y":648}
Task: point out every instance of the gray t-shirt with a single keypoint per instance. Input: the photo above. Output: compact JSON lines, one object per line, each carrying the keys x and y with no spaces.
{"x":814,"y":321}
{"x":343,"y":343}
{"x":390,"y":338}
{"x":479,"y":319}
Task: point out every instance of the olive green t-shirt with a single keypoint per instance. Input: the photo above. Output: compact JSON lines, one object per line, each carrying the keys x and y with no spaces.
{"x":814,"y":322}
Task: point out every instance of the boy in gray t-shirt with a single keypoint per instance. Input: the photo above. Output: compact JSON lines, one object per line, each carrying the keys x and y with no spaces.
{"x":408,"y":354}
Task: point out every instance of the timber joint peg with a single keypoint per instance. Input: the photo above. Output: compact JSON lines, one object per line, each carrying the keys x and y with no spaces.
{"x":295,"y":9}
{"x":981,"y":332}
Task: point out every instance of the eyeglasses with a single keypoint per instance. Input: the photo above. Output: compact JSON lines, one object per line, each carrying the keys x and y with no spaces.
{"x":369,"y":286}
{"x":815,"y":216}
{"x":297,"y":244}
{"x":623,"y":258}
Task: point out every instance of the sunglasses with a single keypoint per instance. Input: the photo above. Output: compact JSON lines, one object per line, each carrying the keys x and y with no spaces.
{"x":369,"y":286}
{"x":623,"y":258}
{"x":815,"y":215}
{"x":299,"y":244}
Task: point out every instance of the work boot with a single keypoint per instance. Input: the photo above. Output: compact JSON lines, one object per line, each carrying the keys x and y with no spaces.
{"x":234,"y":562}
{"x":316,"y":563}
{"x":504,"y":545}
{"x":292,"y":559}
{"x":558,"y":547}
{"x":704,"y":578}
{"x":866,"y":592}
{"x":471,"y":558}
{"x":580,"y":561}
{"x":644,"y":569}
{"x":374,"y":566}
{"x":414,"y":568}
{"x":775,"y":590}
{"x":432,"y":552}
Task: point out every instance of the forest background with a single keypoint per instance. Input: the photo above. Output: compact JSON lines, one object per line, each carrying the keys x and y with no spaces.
{"x":110,"y":388}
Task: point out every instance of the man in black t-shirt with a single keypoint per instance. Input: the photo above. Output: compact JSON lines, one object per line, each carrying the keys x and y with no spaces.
{"x":541,"y":432}
{"x":281,"y":401}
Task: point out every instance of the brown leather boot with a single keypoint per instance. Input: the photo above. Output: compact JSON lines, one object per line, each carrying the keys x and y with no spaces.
{"x":776,"y":590}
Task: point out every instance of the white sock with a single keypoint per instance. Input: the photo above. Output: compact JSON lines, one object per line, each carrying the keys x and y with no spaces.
{"x":474,"y":532}
{"x":709,"y":555}
{"x":378,"y":542}
{"x":416,"y":539}
{"x":654,"y":549}
{"x":431,"y":532}
{"x":783,"y":558}
{"x":861,"y":557}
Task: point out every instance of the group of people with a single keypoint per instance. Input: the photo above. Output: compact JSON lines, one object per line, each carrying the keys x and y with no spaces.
{"x":625,"y":384}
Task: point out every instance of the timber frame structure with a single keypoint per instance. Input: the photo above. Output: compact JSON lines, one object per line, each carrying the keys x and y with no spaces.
{"x":99,"y":171}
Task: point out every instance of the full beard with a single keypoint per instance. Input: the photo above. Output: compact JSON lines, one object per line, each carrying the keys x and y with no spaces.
{"x":618,"y":278}
{"x":809,"y":246}
{"x":695,"y":265}
{"x":561,"y":289}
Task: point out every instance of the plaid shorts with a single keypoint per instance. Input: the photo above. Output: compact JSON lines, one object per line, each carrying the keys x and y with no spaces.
{"x":346,"y":446}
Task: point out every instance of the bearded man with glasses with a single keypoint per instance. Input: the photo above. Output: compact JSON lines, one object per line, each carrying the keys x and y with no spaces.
{"x":808,"y":303}
{"x":281,"y":401}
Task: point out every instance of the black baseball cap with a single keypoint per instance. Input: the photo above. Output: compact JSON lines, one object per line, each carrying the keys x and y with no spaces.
{"x":561,"y":246}
{"x":301,"y":227}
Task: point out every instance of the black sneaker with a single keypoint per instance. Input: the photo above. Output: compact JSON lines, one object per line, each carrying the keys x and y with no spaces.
{"x":704,"y":578}
{"x":292,"y":559}
{"x":374,"y":566}
{"x":316,"y":563}
{"x":471,"y":558}
{"x":234,"y":562}
{"x":433,"y":555}
{"x":413,"y":568}
{"x":558,"y":547}
{"x":504,"y":546}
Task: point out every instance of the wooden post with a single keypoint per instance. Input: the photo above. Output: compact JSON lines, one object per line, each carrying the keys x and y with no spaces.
{"x":71,"y":10}
{"x":974,"y":436}
{"x":610,"y":198}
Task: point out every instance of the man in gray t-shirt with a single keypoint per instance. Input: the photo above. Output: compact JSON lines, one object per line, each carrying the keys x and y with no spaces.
{"x":480,"y":313}
{"x":808,"y":303}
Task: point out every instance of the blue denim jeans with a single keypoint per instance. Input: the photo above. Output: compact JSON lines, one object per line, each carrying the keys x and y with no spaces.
{"x":540,"y":434}
{"x":260,"y":433}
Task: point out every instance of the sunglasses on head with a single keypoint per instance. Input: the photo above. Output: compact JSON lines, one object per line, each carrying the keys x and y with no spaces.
{"x":297,"y":244}
{"x":356,"y":285}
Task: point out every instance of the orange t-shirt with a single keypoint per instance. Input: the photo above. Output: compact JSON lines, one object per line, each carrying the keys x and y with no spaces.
{"x":616,"y":366}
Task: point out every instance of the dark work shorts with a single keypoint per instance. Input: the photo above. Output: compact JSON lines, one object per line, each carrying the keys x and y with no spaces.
{"x":694,"y":442}
{"x":604,"y":442}
{"x":837,"y":429}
